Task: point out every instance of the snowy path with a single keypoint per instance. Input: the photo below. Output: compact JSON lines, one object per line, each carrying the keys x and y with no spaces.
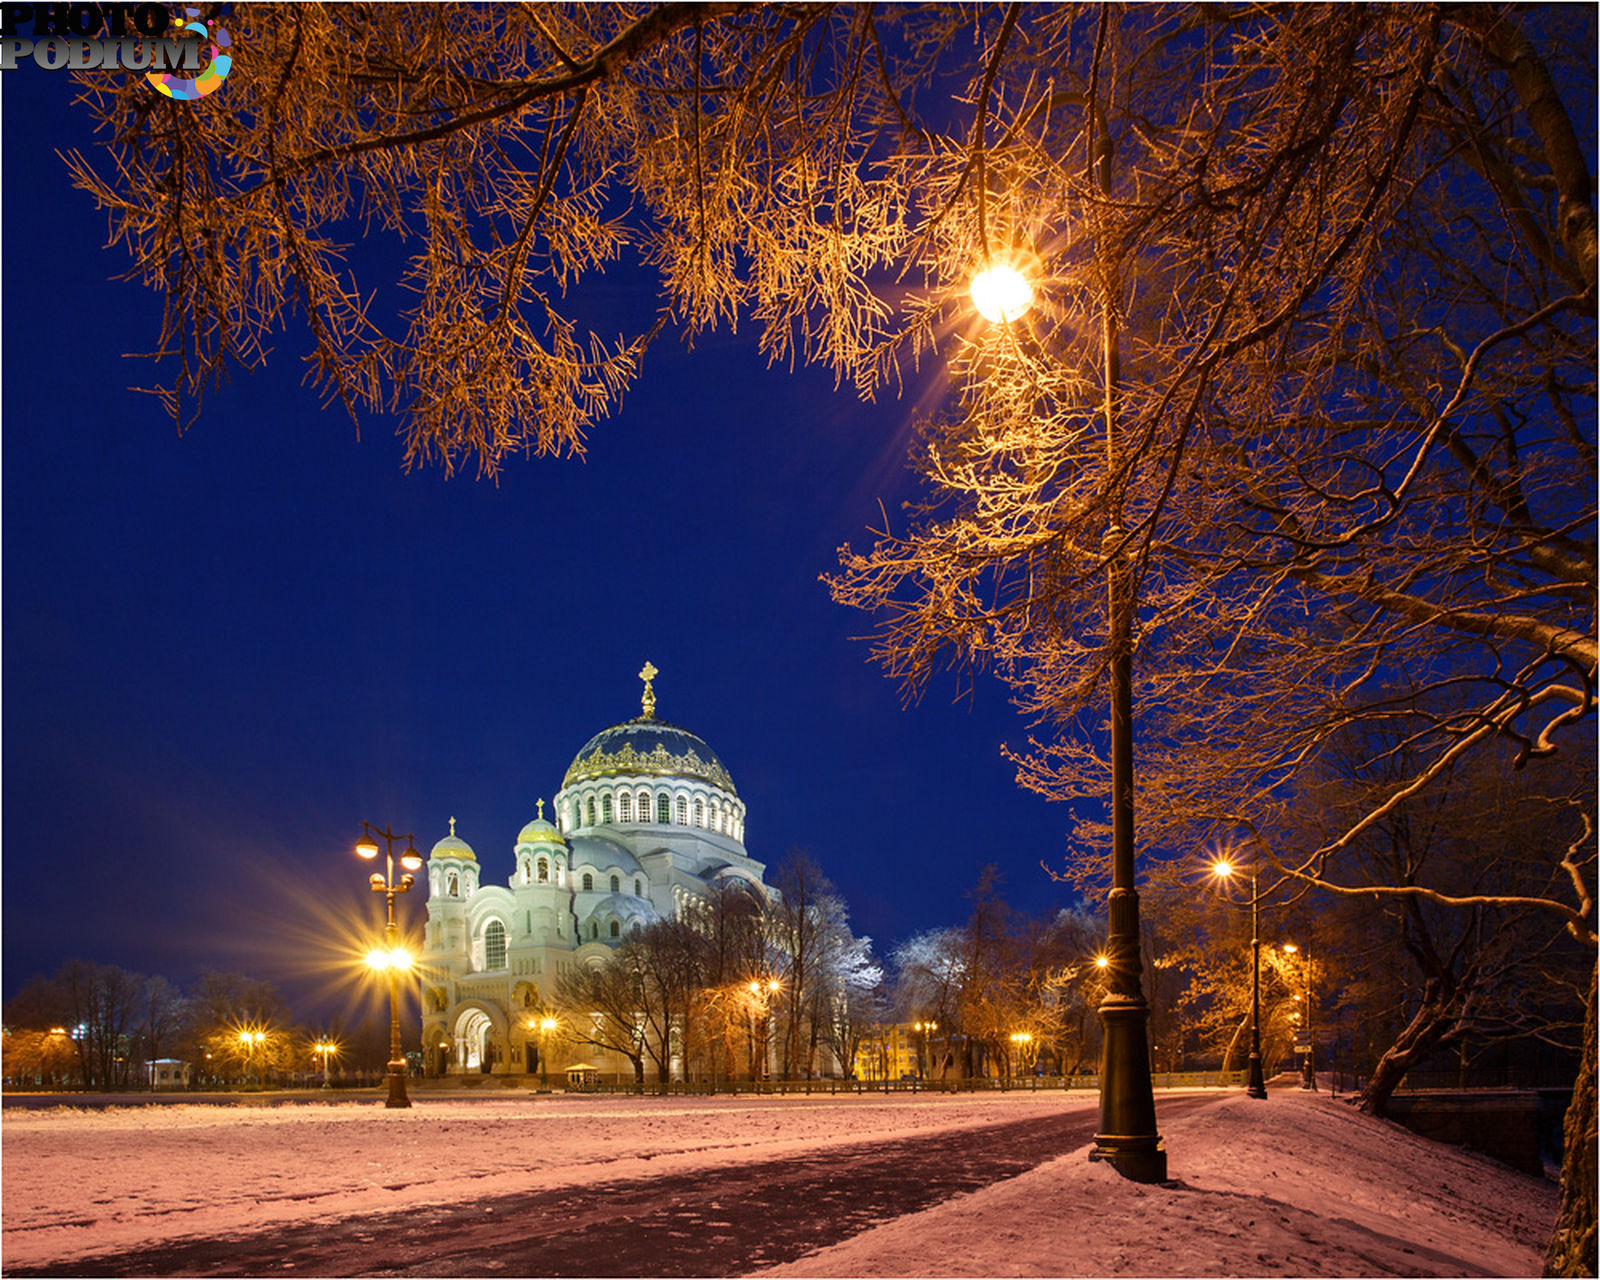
{"x":1297,"y":1185}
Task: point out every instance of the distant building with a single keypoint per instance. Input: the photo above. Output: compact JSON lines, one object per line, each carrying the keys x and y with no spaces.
{"x":167,"y":1073}
{"x":647,"y":821}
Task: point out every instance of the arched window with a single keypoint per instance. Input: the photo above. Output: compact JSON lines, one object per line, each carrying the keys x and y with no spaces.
{"x":638,"y":889}
{"x":544,"y":871}
{"x":591,"y":811}
{"x":644,"y":806}
{"x":699,"y":813}
{"x":522,"y":871}
{"x":494,"y":945}
{"x":594,"y":928}
{"x":716,"y":817}
{"x":455,"y":885}
{"x":683,"y":812}
{"x":588,"y":883}
{"x":625,"y":806}
{"x":605,"y":808}
{"x":663,"y":808}
{"x":616,"y":929}
{"x":616,"y":884}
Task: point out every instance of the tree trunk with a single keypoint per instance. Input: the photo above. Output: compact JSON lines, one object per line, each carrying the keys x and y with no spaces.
{"x":1573,"y":1243}
{"x":1434,"y":1023}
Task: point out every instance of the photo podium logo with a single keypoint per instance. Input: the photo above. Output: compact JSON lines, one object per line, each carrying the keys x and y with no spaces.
{"x":129,"y":37}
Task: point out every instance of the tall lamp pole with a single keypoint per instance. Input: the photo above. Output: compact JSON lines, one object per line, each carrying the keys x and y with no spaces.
{"x":1128,"y":1138}
{"x":393,"y":958}
{"x":1255,"y":1084}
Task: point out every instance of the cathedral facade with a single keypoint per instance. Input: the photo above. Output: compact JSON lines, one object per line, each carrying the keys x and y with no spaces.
{"x":646,"y":822}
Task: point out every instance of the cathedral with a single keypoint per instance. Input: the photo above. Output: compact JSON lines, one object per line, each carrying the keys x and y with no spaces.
{"x":647,"y":820}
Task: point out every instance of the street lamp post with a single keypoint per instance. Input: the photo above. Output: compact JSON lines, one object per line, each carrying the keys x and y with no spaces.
{"x":1308,"y":1070}
{"x":924,"y":1030}
{"x":546,"y":1026}
{"x":325,"y":1048}
{"x":250,"y":1040}
{"x":393,"y":957}
{"x":1128,"y":1139}
{"x":1255,"y":1084}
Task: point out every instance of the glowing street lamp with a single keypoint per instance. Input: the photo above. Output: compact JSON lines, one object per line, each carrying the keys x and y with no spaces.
{"x":1001,"y":293}
{"x":391,"y":958}
{"x":761,"y":994}
{"x":325,"y":1049}
{"x":1308,"y":1070}
{"x":1256,"y":1085}
{"x":925,"y":1030}
{"x":1128,"y":1139}
{"x":251,"y":1040}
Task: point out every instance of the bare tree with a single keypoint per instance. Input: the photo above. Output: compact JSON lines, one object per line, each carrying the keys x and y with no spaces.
{"x":602,"y":1003}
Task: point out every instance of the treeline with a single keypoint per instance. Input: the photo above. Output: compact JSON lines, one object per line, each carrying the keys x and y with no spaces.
{"x":747,"y":987}
{"x":100,"y":1026}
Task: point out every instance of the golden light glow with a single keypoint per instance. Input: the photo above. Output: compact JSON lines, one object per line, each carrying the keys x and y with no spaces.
{"x":1291,"y":949}
{"x":1222,"y":867}
{"x":367,"y":849}
{"x":411,"y":860}
{"x":549,"y":1024}
{"x":381,"y":958}
{"x":1001,"y":293}
{"x":1102,"y":962}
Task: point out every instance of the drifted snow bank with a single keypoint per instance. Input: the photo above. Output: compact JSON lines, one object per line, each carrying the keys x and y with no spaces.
{"x":1297,"y":1185}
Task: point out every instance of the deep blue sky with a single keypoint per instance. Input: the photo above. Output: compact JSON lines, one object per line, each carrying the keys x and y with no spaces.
{"x":223,"y":651}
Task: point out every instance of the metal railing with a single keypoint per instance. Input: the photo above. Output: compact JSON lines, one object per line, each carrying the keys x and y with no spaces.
{"x":1018,"y":1084}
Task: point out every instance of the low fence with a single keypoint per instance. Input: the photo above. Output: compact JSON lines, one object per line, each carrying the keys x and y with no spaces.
{"x":1019,"y":1084}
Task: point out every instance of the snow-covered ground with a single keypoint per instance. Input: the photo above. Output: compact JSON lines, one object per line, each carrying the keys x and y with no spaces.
{"x":1297,"y":1185}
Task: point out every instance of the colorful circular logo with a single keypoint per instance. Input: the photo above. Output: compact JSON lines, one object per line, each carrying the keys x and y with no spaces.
{"x":185,"y":89}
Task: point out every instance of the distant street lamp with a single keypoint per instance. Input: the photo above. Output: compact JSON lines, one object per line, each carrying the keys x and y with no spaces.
{"x":761,"y":993}
{"x":1308,"y":1070}
{"x":392,"y":958}
{"x":1255,"y":1085}
{"x":250,"y":1040}
{"x":924,"y":1030}
{"x":1022,"y":1040}
{"x":325,"y":1049}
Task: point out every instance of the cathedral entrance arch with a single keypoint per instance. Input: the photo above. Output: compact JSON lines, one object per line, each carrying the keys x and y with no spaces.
{"x":475,"y":1041}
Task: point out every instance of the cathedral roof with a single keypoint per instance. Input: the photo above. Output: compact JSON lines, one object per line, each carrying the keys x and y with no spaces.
{"x":540,"y":831}
{"x":453,"y":846}
{"x":646,"y":745}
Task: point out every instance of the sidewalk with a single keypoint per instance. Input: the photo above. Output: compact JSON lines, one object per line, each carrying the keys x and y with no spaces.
{"x":1296,"y":1185}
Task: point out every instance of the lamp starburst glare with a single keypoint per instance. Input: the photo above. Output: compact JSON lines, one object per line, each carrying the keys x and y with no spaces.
{"x":1001,"y":293}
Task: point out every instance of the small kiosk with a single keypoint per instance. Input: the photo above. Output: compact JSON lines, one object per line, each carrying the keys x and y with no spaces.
{"x":582,"y":1078}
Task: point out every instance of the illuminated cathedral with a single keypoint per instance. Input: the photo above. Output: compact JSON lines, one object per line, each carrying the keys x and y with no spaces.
{"x":646,"y":823}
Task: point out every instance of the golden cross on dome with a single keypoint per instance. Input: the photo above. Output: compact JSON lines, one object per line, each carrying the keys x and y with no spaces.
{"x":647,"y":675}
{"x":452,"y":826}
{"x":541,"y":809}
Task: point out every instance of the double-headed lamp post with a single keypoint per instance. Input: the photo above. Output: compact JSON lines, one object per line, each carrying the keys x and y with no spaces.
{"x":1128,"y":1139}
{"x":392,"y":958}
{"x":1255,"y":1085}
{"x":325,"y":1049}
{"x":251,"y":1040}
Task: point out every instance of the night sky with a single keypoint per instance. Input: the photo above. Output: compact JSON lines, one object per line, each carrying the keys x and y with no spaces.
{"x":223,"y":651}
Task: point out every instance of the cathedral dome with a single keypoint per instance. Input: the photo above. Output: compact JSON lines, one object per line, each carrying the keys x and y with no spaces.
{"x":539,"y":831}
{"x":453,"y":846}
{"x":646,"y":745}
